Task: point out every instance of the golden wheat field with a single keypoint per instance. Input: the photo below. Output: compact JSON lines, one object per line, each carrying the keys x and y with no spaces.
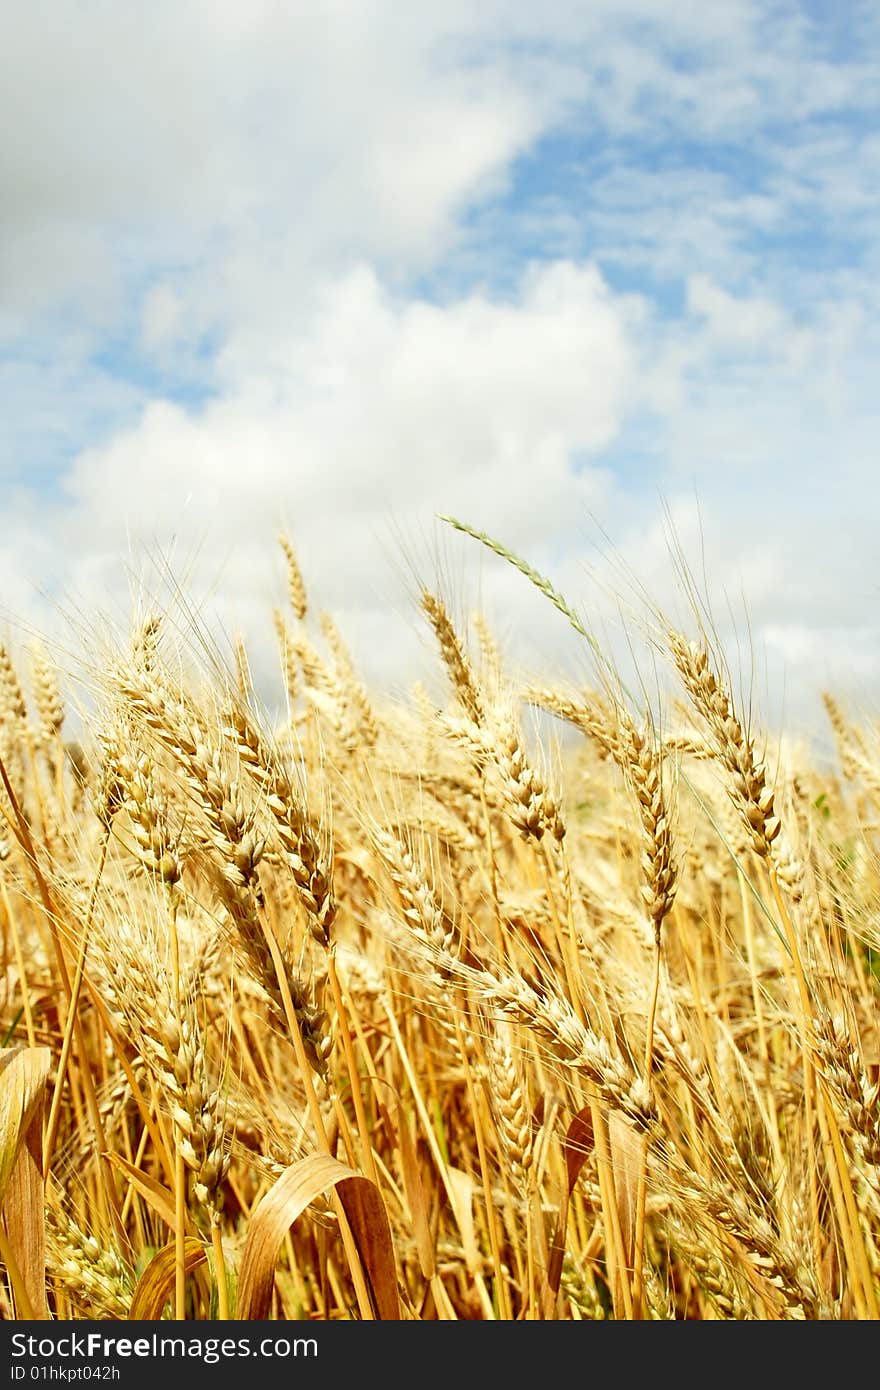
{"x":406,"y":1011}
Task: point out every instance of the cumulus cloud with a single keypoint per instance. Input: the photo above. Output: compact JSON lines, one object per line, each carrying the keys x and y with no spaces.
{"x":389,"y":412}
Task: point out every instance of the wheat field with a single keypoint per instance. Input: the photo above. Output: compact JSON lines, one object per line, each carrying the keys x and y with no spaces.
{"x":429,"y":1009}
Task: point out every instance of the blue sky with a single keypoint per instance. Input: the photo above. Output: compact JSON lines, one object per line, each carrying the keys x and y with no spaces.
{"x":561,"y":270}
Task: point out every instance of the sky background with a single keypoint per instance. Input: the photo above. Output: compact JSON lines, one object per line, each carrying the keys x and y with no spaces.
{"x":587,"y":276}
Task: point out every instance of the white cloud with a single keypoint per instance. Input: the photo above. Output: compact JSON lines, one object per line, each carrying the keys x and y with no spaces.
{"x":271,"y":142}
{"x":733,"y":321}
{"x":388,"y":413}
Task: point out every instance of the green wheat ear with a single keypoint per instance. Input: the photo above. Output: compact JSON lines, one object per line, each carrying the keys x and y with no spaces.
{"x":539,"y":580}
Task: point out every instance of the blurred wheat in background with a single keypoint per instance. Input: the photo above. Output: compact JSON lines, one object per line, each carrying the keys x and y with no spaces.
{"x":404,"y":1010}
